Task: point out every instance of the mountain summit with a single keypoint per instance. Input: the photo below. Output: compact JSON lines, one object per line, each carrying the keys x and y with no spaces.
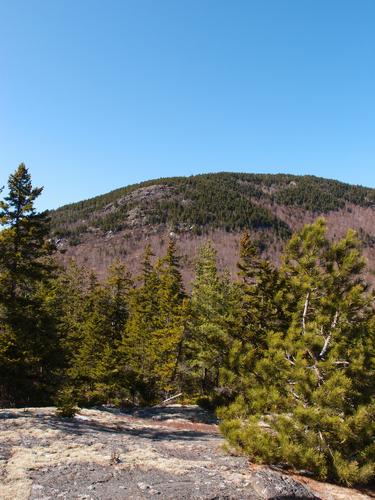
{"x":209,"y":206}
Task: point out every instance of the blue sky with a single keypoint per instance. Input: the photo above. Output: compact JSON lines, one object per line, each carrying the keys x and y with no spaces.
{"x":95,"y":95}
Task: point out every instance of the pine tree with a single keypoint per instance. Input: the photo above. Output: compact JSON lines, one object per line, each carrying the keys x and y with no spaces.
{"x":308,"y":400}
{"x":27,"y":336}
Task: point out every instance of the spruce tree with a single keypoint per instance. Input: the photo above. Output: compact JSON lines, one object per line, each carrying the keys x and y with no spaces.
{"x":73,"y":284}
{"x":73,"y":305}
{"x":152,"y":342}
{"x":259,"y":283}
{"x":136,"y":356}
{"x":167,"y":339}
{"x":93,"y":371}
{"x":27,"y":335}
{"x":210,"y":325}
{"x":255,"y":313}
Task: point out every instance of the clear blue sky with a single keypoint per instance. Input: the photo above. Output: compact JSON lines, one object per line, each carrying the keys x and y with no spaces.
{"x":95,"y":95}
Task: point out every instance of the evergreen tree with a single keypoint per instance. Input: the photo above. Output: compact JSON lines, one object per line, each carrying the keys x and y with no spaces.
{"x":93,"y":372}
{"x":73,"y":287}
{"x":136,"y":357}
{"x":260,"y":282}
{"x":27,"y":337}
{"x":288,"y":352}
{"x":153,"y":336}
{"x":256,"y":312}
{"x":167,"y":339}
{"x":210,"y":323}
{"x":73,"y":306}
{"x":308,"y":400}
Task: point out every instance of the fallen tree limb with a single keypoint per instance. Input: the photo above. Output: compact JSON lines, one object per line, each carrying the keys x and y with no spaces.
{"x":170,"y":399}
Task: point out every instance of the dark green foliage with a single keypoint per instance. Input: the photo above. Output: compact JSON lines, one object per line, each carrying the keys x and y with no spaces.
{"x":230,"y":201}
{"x":66,"y":406}
{"x":28,"y":343}
{"x":306,"y":399}
{"x":256,"y":314}
{"x":321,"y":196}
{"x":153,"y":336}
{"x":210,"y":324}
{"x":136,"y":356}
{"x":93,"y":339}
{"x":215,"y":201}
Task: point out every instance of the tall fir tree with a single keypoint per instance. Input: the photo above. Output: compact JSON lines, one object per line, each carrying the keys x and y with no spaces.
{"x":136,"y":357}
{"x":74,"y":307}
{"x":211,"y":324}
{"x":259,"y":282}
{"x":95,"y":339}
{"x":167,"y":339}
{"x":27,"y":337}
{"x":256,"y":313}
{"x":152,"y":340}
{"x":74,"y":285}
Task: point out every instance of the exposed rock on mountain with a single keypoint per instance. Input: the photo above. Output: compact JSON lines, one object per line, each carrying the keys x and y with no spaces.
{"x":156,"y":452}
{"x":215,"y":206}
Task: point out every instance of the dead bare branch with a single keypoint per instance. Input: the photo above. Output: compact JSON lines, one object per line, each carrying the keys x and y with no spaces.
{"x":170,"y":399}
{"x":306,"y":306}
{"x":328,"y":338}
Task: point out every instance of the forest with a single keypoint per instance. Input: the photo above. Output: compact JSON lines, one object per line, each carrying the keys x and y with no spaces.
{"x":285,"y":355}
{"x":232,"y":201}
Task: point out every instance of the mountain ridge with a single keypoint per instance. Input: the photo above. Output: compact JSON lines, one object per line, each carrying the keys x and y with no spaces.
{"x":216,"y":206}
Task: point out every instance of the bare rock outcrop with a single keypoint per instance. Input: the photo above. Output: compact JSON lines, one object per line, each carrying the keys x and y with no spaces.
{"x":161,"y":452}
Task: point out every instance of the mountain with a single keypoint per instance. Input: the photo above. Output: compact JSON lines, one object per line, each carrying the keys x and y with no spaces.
{"x":215,"y":206}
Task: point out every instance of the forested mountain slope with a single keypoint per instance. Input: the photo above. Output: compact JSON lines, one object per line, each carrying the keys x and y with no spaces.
{"x":216,"y":206}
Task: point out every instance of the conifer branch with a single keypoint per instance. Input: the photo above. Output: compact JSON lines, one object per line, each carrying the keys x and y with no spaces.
{"x":318,"y":374}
